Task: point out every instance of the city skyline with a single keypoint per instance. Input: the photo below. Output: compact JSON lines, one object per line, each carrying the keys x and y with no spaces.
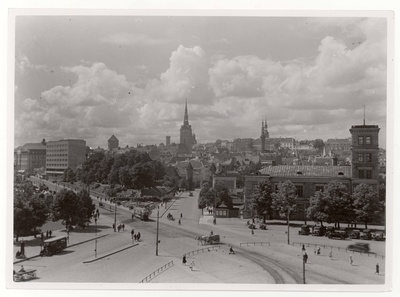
{"x":89,"y":77}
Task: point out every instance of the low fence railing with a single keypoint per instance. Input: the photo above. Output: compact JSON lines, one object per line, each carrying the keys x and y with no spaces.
{"x":255,"y":243}
{"x":315,"y":245}
{"x":207,"y":249}
{"x":157,"y":272}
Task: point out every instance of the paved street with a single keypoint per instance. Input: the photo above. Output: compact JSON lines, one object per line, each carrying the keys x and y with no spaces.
{"x":122,"y":261}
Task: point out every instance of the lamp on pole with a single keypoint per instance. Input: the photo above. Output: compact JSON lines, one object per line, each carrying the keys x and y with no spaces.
{"x":95,"y":239}
{"x":157,"y":241}
{"x":305,"y":256}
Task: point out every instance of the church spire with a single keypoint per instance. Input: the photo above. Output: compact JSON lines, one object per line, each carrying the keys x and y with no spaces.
{"x":186,"y":118}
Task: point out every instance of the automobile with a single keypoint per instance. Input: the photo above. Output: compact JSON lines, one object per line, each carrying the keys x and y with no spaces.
{"x":304,"y":230}
{"x":355,"y":234}
{"x":339,"y":234}
{"x":101,"y":204}
{"x":190,"y":194}
{"x":329,"y":230}
{"x":379,"y":236}
{"x":366,"y":234}
{"x":359,"y":247}
{"x":319,"y":231}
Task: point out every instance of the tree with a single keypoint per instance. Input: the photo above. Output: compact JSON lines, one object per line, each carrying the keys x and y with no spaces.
{"x":317,"y":211}
{"x":73,"y":209}
{"x":30,"y":210}
{"x":339,"y":203}
{"x":69,"y":175}
{"x":284,"y":201}
{"x":222,"y":193}
{"x":262,"y":199}
{"x":319,"y":145}
{"x":366,"y":204}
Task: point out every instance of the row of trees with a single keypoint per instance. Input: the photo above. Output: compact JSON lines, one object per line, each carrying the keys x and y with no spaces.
{"x":132,"y":169}
{"x":32,"y":208}
{"x":332,"y":205}
{"x":214,"y":195}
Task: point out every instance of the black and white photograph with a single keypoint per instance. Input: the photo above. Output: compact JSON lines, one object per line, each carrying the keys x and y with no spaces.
{"x":181,"y":150}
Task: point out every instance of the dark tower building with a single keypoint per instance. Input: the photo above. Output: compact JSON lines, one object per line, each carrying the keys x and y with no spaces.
{"x":266,"y":129}
{"x":113,"y":143}
{"x":186,"y":137}
{"x":365,"y":152}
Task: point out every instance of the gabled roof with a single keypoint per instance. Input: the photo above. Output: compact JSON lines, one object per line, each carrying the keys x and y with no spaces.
{"x":113,"y":138}
{"x":307,"y":170}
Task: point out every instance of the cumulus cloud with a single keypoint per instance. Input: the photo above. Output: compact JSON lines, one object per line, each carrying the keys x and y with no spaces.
{"x":227,"y":97}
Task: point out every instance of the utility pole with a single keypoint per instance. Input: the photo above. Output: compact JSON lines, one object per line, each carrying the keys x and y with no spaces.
{"x":115,"y":216}
{"x":157,"y":241}
{"x":304,"y":266}
{"x":95,"y":240}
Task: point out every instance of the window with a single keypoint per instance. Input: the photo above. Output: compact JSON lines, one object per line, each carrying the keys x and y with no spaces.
{"x":368,"y":157}
{"x":360,"y":140}
{"x":360,"y":173}
{"x":360,"y":158}
{"x":299,"y":191}
{"x":368,"y":174}
{"x":368,"y":140}
{"x":319,"y":188}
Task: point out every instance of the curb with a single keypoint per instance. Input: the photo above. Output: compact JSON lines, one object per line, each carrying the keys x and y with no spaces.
{"x":109,"y":254}
{"x":81,"y":242}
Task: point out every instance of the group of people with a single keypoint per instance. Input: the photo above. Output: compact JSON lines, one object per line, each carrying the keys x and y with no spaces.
{"x":135,"y":236}
{"x":119,"y":227}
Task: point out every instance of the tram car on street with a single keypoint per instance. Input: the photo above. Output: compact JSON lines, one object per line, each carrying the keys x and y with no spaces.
{"x":142,"y":213}
{"x":54,"y":245}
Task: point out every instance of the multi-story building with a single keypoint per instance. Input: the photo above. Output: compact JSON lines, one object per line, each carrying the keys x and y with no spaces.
{"x":30,"y":156}
{"x":309,"y":179}
{"x":242,"y":144}
{"x":63,"y":154}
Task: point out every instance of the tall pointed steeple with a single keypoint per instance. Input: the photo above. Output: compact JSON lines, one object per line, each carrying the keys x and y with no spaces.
{"x":186,"y":118}
{"x":262,"y":137}
{"x":266,"y":128}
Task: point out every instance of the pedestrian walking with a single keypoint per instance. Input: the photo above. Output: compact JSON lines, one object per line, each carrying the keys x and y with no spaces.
{"x":184,"y":260}
{"x":132,"y":233}
{"x":50,"y":232}
{"x":330,"y":254}
{"x":318,"y":250}
{"x":138,"y":236}
{"x":231,"y":251}
{"x":351,"y":260}
{"x":303,"y":248}
{"x":123,"y":227}
{"x":47,"y":233}
{"x":181,"y":215}
{"x":132,"y":217}
{"x":135,"y":237}
{"x":179,"y":222}
{"x":252,"y":232}
{"x":377,"y":268}
{"x":192,"y":265}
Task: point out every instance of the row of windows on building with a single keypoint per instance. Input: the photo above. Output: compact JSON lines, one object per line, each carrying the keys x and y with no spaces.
{"x":364,"y":157}
{"x":365,"y":173}
{"x":57,"y":165}
{"x":57,"y":155}
{"x":364,"y":140}
{"x":51,"y":150}
{"x":55,"y":160}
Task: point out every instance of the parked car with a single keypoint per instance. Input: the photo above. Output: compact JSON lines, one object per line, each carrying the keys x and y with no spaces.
{"x":366,"y":234}
{"x":379,"y":236}
{"x":329,"y":230}
{"x":191,"y":194}
{"x":304,"y":230}
{"x":359,"y":247}
{"x":101,"y":204}
{"x":319,"y":231}
{"x":263,"y":226}
{"x":355,"y":234}
{"x":339,"y":234}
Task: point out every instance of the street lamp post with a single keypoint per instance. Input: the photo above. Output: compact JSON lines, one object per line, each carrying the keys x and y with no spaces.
{"x":157,"y":241}
{"x":304,"y":267}
{"x":95,"y":239}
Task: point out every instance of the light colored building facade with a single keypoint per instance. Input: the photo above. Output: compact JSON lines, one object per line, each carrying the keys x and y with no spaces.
{"x":63,"y":154}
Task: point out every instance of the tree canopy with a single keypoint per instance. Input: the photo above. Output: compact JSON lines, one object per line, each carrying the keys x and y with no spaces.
{"x":261,"y":200}
{"x":366,"y":204}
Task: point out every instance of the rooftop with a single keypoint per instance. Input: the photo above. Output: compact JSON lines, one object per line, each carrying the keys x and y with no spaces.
{"x":307,"y":170}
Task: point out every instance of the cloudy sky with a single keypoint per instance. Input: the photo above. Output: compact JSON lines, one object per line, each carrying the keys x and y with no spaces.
{"x":90,"y":77}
